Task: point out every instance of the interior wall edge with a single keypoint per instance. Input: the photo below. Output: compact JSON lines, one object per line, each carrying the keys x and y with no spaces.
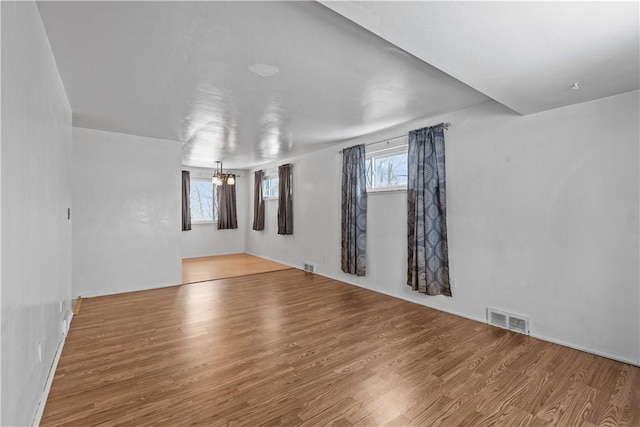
{"x":36,"y":150}
{"x":126,"y":204}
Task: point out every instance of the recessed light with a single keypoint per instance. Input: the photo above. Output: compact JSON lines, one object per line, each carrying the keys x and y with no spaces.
{"x":264,"y":70}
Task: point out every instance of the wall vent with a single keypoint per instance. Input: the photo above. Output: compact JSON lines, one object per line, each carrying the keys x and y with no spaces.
{"x":519,"y":324}
{"x":513,"y":322}
{"x":310,"y":268}
{"x":498,"y":319}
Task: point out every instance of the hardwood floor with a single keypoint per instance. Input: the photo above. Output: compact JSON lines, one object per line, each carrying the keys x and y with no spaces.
{"x":289,"y":348}
{"x":224,"y":266}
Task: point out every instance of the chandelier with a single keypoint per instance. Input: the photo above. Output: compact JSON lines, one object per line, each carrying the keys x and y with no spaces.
{"x":220,"y":177}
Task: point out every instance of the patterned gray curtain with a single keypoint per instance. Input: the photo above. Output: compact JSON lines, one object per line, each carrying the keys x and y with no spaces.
{"x":227,"y":217}
{"x":258,"y":201}
{"x":285,"y":200}
{"x":354,"y":211}
{"x":428,"y":267}
{"x":186,"y":201}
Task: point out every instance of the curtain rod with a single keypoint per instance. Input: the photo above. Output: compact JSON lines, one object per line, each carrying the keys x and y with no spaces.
{"x":208,"y":174}
{"x":445,"y":125}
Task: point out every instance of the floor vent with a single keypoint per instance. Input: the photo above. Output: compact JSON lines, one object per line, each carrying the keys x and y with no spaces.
{"x":509,"y":321}
{"x":311,"y":268}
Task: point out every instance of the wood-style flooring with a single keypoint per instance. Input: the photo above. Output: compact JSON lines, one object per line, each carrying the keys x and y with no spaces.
{"x":289,"y":348}
{"x":224,"y":266}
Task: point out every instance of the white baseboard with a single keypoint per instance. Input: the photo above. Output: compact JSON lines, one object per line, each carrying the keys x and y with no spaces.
{"x":455,"y":313}
{"x":587,"y":350}
{"x":52,"y":373}
{"x":483,"y":320}
{"x":126,"y":291}
{"x":274,"y":260}
{"x":467,"y":316}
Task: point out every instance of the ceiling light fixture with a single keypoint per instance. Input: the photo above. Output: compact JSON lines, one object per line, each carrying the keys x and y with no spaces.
{"x":219,"y":177}
{"x":264,"y":70}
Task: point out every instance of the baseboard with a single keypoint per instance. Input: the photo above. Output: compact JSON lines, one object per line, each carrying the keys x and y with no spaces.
{"x":455,"y":313}
{"x":274,"y":260}
{"x":467,"y":316}
{"x":484,"y":321}
{"x":119,"y":291}
{"x":52,"y":373}
{"x":586,"y":350}
{"x":345,"y":280}
{"x":168,"y":285}
{"x":210,"y":255}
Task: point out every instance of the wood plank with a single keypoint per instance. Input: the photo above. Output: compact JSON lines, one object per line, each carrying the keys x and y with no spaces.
{"x":290,"y":348}
{"x":218,"y":267}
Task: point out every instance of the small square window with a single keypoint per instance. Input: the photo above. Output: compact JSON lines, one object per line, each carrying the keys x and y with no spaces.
{"x":387,"y":169}
{"x":204,"y":207}
{"x":270,"y":187}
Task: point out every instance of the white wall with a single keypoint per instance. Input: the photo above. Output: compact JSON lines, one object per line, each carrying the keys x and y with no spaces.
{"x":126,"y":213}
{"x":206,"y":239}
{"x":0,"y":232}
{"x":542,"y":214}
{"x":36,"y":192}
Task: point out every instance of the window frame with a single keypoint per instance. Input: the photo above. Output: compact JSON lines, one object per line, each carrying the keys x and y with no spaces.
{"x":267,"y":180}
{"x":215,"y":203}
{"x":380,"y":154}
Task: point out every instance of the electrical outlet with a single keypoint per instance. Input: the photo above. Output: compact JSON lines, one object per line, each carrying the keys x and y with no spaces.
{"x":454,"y":284}
{"x":324,"y":258}
{"x":60,"y":305}
{"x":40,"y":351}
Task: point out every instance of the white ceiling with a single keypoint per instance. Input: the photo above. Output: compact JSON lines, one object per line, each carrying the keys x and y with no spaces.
{"x":525,"y":55}
{"x":181,"y":70}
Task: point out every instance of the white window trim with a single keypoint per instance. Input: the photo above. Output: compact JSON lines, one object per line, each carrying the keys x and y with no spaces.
{"x":271,"y":173}
{"x":394,"y":189}
{"x":384,"y":152}
{"x":203,"y":222}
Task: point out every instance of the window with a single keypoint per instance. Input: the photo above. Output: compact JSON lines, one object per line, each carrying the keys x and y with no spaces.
{"x":270,"y":187}
{"x":387,"y":169}
{"x":203,"y":201}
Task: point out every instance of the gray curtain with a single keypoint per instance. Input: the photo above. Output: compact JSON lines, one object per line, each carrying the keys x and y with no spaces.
{"x":428,"y":266}
{"x":258,"y":201}
{"x":186,"y":201}
{"x":285,"y":200}
{"x":354,"y":211}
{"x":227,"y":217}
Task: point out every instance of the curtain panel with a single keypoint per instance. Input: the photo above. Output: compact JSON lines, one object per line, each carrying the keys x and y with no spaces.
{"x":258,"y":201}
{"x":428,"y":257}
{"x":354,"y":211}
{"x":285,"y":200}
{"x":186,"y":200}
{"x":227,"y":216}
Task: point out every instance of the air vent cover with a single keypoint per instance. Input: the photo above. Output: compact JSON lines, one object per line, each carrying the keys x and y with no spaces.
{"x":498,"y":319}
{"x":513,"y":322}
{"x":518,"y":325}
